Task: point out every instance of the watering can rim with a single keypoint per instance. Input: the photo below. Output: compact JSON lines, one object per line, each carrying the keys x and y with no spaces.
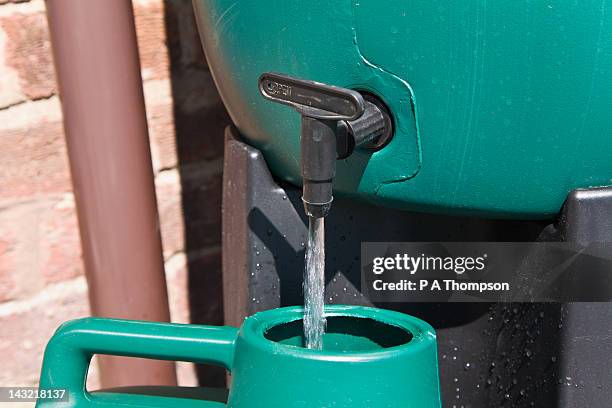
{"x":255,"y":327}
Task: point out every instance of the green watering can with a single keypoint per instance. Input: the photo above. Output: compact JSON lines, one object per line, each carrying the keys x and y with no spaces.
{"x":371,"y":358}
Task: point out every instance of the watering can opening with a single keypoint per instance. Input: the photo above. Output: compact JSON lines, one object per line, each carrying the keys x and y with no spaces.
{"x":344,"y":334}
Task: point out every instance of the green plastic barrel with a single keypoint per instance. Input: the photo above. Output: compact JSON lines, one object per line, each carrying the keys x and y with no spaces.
{"x":500,"y":107}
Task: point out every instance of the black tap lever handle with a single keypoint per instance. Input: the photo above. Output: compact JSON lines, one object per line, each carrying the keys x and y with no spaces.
{"x":321,"y":107}
{"x":312,"y":99}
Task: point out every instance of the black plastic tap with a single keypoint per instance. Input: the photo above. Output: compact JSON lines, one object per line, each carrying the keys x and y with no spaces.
{"x":322,"y":108}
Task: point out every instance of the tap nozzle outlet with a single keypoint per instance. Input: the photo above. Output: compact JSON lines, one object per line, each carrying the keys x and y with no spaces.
{"x":322,"y":108}
{"x":318,"y":157}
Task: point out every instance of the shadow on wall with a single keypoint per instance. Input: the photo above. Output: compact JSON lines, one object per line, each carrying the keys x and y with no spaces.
{"x":199,"y":117}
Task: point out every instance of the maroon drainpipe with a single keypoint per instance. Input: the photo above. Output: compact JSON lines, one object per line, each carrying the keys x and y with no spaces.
{"x":98,"y":74}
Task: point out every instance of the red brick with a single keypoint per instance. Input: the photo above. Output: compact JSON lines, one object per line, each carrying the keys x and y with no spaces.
{"x":27,"y":327}
{"x":7,"y":266}
{"x":151,"y":33}
{"x":39,"y":242}
{"x":19,"y":228}
{"x":178,"y":286}
{"x":40,"y":245}
{"x":60,"y":243}
{"x":28,"y":53}
{"x":34,"y":160}
{"x":170,"y":211}
{"x":189,"y":206}
{"x":162,"y":135}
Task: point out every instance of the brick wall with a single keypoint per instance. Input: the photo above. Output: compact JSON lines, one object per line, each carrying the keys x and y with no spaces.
{"x":41,"y":272}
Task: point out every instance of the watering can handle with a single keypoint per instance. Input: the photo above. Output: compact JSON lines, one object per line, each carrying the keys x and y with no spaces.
{"x":71,"y":348}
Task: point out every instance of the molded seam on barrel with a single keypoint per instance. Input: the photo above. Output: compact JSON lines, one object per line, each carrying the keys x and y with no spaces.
{"x":413,"y":104}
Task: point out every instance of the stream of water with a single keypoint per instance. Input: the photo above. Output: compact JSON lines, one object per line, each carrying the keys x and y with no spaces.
{"x":314,"y":284}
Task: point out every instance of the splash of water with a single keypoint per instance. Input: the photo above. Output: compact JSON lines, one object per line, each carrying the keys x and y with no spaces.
{"x":314,"y":284}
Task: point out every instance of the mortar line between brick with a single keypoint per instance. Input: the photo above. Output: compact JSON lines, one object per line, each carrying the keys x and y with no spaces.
{"x":28,"y":102}
{"x":56,"y":95}
{"x":53,"y":292}
{"x":57,"y":291}
{"x":12,"y":105}
{"x":26,"y":7}
{"x":204,"y":252}
{"x":192,"y":171}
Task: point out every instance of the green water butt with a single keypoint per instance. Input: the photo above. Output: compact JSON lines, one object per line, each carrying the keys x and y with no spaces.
{"x":500,"y":108}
